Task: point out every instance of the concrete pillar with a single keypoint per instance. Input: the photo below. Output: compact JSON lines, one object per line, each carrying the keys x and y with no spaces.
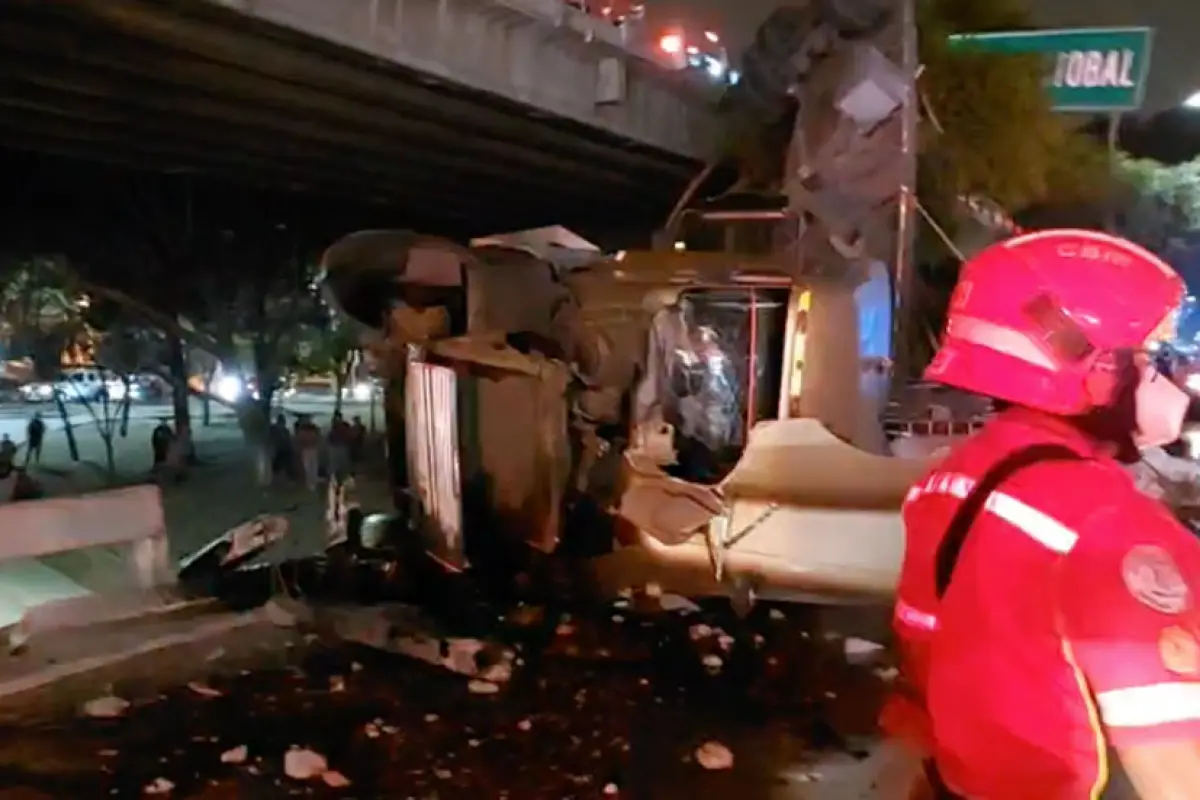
{"x":840,"y":385}
{"x":830,"y":388}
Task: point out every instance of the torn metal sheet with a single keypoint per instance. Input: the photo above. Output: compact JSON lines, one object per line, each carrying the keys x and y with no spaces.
{"x":234,"y":548}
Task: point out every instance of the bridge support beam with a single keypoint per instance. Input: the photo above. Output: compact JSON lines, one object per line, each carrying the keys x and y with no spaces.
{"x":539,"y":53}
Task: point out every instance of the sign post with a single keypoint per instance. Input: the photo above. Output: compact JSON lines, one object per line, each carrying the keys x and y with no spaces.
{"x":1095,"y":70}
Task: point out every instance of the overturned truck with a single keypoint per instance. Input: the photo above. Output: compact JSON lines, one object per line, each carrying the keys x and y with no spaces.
{"x":643,"y":411}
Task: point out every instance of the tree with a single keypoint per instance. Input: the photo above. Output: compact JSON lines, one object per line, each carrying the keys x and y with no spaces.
{"x":39,"y":314}
{"x":40,"y":319}
{"x":212,"y":267}
{"x":49,"y":320}
{"x":1161,"y":211}
{"x":329,"y":351}
{"x":990,"y":130}
{"x":227,"y":273}
{"x":123,"y":348}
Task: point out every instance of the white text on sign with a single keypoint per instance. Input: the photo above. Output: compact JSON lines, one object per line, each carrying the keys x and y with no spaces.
{"x":1095,"y":69}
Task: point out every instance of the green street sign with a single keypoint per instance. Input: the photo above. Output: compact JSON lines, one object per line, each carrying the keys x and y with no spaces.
{"x":1088,"y":69}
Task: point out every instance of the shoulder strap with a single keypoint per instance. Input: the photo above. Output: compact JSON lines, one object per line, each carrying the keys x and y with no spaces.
{"x":957,"y":531}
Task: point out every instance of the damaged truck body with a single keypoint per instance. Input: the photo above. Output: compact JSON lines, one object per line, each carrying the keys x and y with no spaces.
{"x":704,"y":416}
{"x":646,"y":411}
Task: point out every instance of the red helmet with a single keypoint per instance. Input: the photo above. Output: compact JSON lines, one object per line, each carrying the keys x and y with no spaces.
{"x":1035,"y":319}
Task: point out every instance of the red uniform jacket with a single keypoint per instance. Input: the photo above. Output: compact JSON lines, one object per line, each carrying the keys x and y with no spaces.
{"x":1070,"y":625}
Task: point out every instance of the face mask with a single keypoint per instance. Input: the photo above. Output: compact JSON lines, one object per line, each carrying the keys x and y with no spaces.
{"x":1161,"y":408}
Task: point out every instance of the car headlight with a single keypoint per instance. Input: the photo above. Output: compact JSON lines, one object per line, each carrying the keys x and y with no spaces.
{"x":228,"y":388}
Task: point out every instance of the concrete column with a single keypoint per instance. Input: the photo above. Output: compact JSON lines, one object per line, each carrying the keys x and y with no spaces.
{"x":830,"y":388}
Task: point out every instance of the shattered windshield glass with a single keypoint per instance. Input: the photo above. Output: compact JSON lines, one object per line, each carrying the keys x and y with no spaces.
{"x":717,"y":366}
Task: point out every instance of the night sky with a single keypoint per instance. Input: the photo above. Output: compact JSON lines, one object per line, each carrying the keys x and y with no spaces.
{"x":1175,"y":65}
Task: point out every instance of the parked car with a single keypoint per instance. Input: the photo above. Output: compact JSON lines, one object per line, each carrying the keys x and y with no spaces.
{"x":79,"y":385}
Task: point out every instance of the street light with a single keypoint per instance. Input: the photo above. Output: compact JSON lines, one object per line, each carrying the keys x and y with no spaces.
{"x":1193,"y":101}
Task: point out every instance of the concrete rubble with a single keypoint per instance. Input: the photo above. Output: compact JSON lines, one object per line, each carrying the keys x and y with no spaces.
{"x":861,"y":652}
{"x":106,"y":706}
{"x":403,"y":630}
{"x":72,"y":661}
{"x":714,"y":755}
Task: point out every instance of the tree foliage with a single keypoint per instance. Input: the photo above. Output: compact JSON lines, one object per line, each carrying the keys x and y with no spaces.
{"x":1177,"y":186}
{"x":990,"y":130}
{"x":1160,"y":210}
{"x":40,"y":315}
{"x":327,"y":349}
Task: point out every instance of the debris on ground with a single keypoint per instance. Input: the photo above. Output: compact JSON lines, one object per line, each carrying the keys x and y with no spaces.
{"x":234,"y":548}
{"x":887,"y":673}
{"x":482,"y":687}
{"x":525,"y":616}
{"x":159,"y":786}
{"x":106,"y":706}
{"x":204,"y":690}
{"x":335,"y":779}
{"x":284,"y":612}
{"x":677,"y":604}
{"x":236,"y":755}
{"x":714,"y":756}
{"x":401,"y":629}
{"x":302,"y":764}
{"x":861,"y":651}
{"x":575,"y":718}
{"x":461,"y":655}
{"x":18,"y":637}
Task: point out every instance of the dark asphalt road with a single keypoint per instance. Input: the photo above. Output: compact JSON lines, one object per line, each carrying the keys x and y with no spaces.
{"x":611,"y":707}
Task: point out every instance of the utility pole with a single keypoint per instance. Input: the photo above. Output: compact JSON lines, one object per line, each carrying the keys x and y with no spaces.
{"x":904,"y":272}
{"x":1114,"y":138}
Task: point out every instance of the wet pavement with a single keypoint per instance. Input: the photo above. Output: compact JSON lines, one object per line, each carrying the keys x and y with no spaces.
{"x":612,"y":703}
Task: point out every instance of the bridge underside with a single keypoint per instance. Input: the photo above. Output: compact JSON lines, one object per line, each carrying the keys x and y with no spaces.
{"x":192,"y":88}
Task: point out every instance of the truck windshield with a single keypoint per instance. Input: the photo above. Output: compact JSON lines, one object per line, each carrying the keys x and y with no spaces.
{"x":719,"y":371}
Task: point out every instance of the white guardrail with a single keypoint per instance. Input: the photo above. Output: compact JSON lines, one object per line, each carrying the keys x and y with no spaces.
{"x":128,"y":521}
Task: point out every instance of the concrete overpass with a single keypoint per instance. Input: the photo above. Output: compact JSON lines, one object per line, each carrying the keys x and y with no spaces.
{"x":482,"y":113}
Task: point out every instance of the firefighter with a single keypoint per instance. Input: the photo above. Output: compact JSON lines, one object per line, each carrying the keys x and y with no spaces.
{"x":1048,"y":613}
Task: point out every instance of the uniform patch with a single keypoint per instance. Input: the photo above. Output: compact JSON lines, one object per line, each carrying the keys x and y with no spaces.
{"x":1153,"y":579}
{"x":1179,"y":650}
